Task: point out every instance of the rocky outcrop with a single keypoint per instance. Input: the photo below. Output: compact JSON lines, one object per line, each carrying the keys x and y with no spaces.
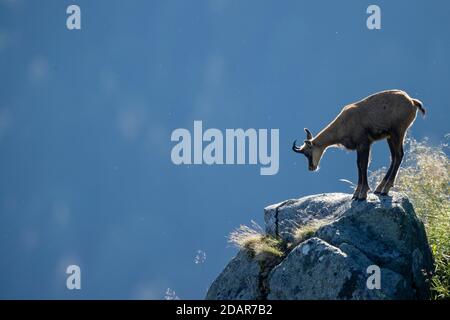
{"x":353,"y":242}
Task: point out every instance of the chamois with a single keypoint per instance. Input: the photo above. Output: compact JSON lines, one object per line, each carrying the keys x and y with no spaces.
{"x":383,"y":115}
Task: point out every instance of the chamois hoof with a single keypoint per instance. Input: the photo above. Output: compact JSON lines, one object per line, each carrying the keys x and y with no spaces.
{"x":377,"y":192}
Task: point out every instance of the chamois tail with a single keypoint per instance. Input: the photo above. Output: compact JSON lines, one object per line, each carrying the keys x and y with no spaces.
{"x":419,"y":105}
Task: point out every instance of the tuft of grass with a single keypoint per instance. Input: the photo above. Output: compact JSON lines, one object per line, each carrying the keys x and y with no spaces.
{"x":306,"y":231}
{"x":254,"y":239}
{"x":425,"y":178}
{"x":265,"y":247}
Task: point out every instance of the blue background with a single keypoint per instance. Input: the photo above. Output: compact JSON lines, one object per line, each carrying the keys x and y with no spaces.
{"x":86,"y":116}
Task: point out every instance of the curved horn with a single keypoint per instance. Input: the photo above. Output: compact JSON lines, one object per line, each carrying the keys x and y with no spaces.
{"x":308,"y":134}
{"x":296,"y":149}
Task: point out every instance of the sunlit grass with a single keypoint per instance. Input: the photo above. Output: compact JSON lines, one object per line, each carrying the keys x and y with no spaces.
{"x":256,"y":241}
{"x":306,"y":231}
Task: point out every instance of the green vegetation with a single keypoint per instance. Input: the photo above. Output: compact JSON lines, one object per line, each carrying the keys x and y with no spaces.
{"x":425,"y":178}
{"x":264,"y":247}
{"x":255,"y":240}
{"x":306,"y":231}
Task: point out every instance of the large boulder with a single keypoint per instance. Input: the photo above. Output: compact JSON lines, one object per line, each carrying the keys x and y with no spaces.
{"x":337,"y":260}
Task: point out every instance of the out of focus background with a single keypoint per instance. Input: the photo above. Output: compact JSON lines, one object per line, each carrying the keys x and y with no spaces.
{"x":86,"y":116}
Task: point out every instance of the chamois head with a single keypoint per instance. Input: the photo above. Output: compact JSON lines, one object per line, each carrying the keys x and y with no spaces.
{"x":311,"y":151}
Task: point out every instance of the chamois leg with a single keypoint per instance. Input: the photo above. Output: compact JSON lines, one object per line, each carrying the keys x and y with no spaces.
{"x":358,"y":187}
{"x":381,"y":185}
{"x":363,"y":154}
{"x":397,"y":143}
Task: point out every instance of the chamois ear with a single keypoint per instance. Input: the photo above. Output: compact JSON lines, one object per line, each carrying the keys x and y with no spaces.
{"x":308,"y":143}
{"x":308,"y":134}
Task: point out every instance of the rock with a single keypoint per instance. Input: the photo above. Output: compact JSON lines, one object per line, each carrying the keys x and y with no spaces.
{"x":239,"y":279}
{"x":329,"y":273}
{"x":282,"y":218}
{"x":333,"y":264}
